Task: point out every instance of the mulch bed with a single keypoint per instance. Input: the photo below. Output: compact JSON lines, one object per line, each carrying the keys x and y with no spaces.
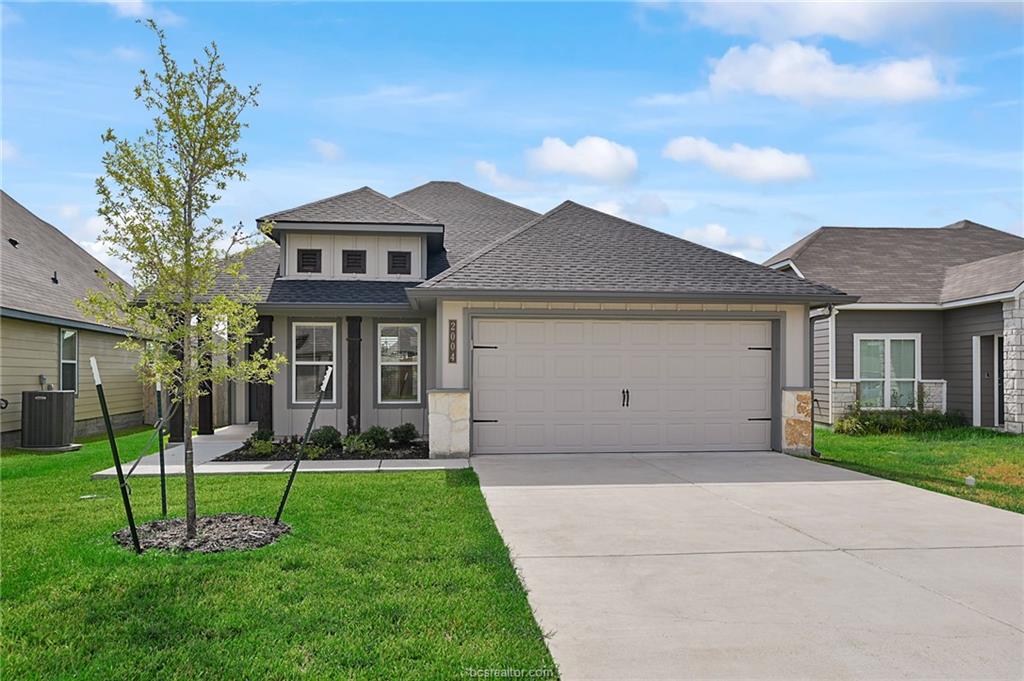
{"x":419,"y":450}
{"x":214,"y":533}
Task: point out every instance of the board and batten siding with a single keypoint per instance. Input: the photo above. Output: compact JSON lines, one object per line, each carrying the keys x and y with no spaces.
{"x":822,"y":385}
{"x":960,"y":325}
{"x":28,"y":349}
{"x":927,"y":323}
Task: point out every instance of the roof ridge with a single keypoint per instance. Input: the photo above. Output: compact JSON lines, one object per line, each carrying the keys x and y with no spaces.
{"x":490,"y":247}
{"x":365,"y":187}
{"x":78,"y":246}
{"x":808,"y":240}
{"x":472,"y":189}
{"x":402,"y":205}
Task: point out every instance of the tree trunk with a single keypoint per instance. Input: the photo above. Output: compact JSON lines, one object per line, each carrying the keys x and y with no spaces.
{"x":190,"y":474}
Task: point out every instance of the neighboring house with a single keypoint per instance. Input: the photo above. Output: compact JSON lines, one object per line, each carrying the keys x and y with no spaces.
{"x":938,"y":320}
{"x":497,"y":329}
{"x":45,"y":342}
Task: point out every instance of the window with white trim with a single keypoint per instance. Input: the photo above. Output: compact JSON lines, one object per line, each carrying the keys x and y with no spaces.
{"x":69,"y":360}
{"x":398,"y":363}
{"x":313,"y":350}
{"x":888,"y":368}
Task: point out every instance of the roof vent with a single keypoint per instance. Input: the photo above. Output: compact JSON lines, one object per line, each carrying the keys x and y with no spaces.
{"x":13,"y":242}
{"x":54,"y":278}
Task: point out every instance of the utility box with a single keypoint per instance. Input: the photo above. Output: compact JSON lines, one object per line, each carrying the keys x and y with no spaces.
{"x":47,"y":419}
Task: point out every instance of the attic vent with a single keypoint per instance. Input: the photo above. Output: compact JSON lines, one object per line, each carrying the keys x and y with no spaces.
{"x":13,"y":242}
{"x":353,"y":262}
{"x":309,"y":260}
{"x":399,"y":262}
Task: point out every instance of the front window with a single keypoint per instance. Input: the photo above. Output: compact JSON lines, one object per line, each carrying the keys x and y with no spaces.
{"x":888,"y":368}
{"x":69,"y":360}
{"x":398,"y":363}
{"x":313,"y":350}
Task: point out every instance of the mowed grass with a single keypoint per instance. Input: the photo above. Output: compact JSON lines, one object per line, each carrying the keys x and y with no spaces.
{"x":939,"y":461}
{"x":384,"y":576}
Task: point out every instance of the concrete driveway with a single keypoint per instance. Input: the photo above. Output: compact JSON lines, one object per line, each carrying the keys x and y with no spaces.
{"x":757,"y":565}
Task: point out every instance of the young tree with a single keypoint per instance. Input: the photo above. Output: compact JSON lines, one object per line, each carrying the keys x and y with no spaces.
{"x":156,"y":197}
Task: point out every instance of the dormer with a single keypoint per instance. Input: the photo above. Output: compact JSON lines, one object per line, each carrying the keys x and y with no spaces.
{"x":360,"y":234}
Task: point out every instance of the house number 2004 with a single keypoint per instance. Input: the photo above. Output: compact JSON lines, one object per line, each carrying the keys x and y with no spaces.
{"x":452,"y":344}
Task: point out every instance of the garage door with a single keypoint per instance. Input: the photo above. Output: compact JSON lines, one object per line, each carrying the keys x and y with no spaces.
{"x":580,"y":385}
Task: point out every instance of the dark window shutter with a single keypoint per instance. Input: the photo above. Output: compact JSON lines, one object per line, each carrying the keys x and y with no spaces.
{"x":353,"y":262}
{"x":309,"y":260}
{"x":399,"y":262}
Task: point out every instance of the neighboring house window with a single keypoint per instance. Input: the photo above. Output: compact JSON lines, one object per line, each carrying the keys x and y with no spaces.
{"x":313,"y":350}
{"x":888,"y":367}
{"x":309,"y":260}
{"x":399,"y":262}
{"x":353,"y":262}
{"x":398,"y":363}
{"x":69,"y":360}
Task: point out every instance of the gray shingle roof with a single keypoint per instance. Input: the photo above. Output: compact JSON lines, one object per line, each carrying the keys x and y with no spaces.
{"x":333,"y":291}
{"x":26,"y":271}
{"x":574,"y":248}
{"x":896,"y":264}
{"x":259,"y":270}
{"x":472,"y":219}
{"x":360,"y":206}
{"x":998,"y":274}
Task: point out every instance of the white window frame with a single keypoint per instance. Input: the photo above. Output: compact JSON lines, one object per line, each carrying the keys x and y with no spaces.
{"x":62,"y":361}
{"x":333,"y":363}
{"x":887,"y":378}
{"x":418,"y":364}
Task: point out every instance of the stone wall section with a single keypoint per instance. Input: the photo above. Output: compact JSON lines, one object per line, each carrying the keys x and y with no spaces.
{"x":1013,"y":364}
{"x":797,"y":427}
{"x":448,"y":417}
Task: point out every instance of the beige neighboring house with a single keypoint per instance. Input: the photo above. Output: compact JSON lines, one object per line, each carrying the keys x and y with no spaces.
{"x":45,"y":342}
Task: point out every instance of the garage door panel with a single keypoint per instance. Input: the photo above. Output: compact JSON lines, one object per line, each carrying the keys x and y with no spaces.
{"x":556,"y":385}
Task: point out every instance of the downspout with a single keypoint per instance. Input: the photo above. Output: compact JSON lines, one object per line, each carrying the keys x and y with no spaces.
{"x":830,"y":310}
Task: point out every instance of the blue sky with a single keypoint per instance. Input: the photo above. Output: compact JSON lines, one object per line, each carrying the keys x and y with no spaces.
{"x":742,"y":126}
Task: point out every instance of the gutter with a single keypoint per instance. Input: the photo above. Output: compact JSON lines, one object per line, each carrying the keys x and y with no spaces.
{"x":415,"y":294}
{"x":61,"y":321}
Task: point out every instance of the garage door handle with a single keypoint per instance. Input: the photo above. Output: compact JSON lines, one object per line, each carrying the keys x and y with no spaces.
{"x":627,"y":397}
{"x":623,"y":398}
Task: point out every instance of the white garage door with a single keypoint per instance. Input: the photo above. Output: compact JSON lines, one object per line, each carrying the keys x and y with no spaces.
{"x":592,"y":385}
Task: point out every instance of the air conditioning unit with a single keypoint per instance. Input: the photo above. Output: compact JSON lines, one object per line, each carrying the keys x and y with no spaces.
{"x":47,"y":419}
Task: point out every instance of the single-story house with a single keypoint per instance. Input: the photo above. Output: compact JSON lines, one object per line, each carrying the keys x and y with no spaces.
{"x":496,"y":329}
{"x":45,"y":342}
{"x":937,"y":324}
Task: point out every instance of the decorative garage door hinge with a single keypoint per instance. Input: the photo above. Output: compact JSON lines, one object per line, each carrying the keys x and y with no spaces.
{"x":485,"y":347}
{"x":765,"y":418}
{"x":485,"y":420}
{"x":758,"y":348}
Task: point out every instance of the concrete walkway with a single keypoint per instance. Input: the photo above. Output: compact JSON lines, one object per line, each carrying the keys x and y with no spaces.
{"x":757,"y":566}
{"x":206,"y":448}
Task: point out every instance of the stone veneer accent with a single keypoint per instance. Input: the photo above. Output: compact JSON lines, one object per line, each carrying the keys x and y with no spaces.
{"x":844,"y":394}
{"x":933,"y":395}
{"x":797,"y":428}
{"x":448,"y":422}
{"x":1013,"y":364}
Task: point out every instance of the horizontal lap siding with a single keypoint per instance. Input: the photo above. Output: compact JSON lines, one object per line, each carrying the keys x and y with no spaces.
{"x":28,"y":349}
{"x":960,"y":326}
{"x":928,"y":324}
{"x":822,"y":385}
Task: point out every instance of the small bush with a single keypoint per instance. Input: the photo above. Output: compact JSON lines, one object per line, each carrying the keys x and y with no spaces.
{"x":313,"y":452}
{"x":356,"y":445}
{"x":261,"y":448}
{"x":377,"y":437}
{"x":404,"y":435}
{"x":259,"y":436}
{"x":860,"y":421}
{"x":326,"y":437}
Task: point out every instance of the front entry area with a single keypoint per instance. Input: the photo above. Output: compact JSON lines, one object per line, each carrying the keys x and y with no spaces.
{"x":620,"y":385}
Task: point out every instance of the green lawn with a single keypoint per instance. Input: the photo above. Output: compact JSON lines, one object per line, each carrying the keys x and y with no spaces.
{"x":399,"y":575}
{"x":937,"y":461}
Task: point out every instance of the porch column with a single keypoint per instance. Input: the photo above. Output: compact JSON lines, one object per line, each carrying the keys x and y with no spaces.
{"x":353,"y":374}
{"x":263,"y":399}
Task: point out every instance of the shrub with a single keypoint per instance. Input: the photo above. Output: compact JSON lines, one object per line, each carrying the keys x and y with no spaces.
{"x":860,"y":421}
{"x":377,"y":437}
{"x":259,"y":436}
{"x":261,"y":448}
{"x":326,"y":437}
{"x":357,"y":445}
{"x":404,"y":435}
{"x":313,"y":451}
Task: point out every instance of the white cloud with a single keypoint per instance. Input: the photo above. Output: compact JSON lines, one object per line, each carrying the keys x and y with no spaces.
{"x":765,"y":164}
{"x":717,"y":236}
{"x":674,"y":98}
{"x":594,"y":157}
{"x":642,"y":207}
{"x":139,"y":9}
{"x":99,"y":251}
{"x":490,"y":172}
{"x":790,"y":70}
{"x":8,"y":152}
{"x":69,"y":211}
{"x":325,"y":149}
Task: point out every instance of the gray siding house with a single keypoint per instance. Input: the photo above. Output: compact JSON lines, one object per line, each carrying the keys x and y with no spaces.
{"x":495,"y":329}
{"x":938,"y":320}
